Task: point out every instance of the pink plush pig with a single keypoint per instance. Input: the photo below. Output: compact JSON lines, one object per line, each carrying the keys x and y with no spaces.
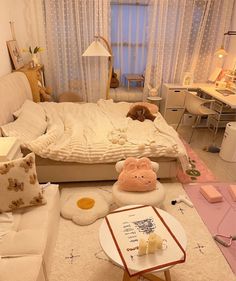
{"x":137,"y":175}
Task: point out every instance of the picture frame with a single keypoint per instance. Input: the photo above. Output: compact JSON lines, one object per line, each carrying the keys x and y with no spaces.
{"x":15,"y":54}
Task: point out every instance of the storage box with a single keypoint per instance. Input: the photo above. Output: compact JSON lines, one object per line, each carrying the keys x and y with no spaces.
{"x":9,"y":149}
{"x":189,"y":119}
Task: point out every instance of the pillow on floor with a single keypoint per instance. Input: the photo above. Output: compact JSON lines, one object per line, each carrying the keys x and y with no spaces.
{"x":19,"y":186}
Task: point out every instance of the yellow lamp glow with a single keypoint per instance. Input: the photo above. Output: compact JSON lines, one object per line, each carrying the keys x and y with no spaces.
{"x":220,"y":53}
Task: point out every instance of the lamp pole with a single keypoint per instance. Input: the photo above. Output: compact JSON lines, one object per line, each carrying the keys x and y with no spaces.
{"x":110,"y":61}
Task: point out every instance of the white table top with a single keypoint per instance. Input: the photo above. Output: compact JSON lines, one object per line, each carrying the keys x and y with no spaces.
{"x":229,"y":100}
{"x":109,"y":247}
{"x":209,"y":89}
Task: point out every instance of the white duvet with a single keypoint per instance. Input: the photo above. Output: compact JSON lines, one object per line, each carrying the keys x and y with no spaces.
{"x":91,"y":133}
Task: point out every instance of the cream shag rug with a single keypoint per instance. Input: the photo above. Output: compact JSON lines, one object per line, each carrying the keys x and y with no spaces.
{"x":79,"y":257}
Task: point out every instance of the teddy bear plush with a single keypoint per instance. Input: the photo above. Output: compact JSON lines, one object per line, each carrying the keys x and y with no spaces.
{"x":140,"y":113}
{"x":138,"y":175}
{"x":45,"y":93}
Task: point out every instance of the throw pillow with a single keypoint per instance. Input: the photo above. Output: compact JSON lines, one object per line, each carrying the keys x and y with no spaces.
{"x":137,"y":175}
{"x":19,"y":186}
{"x":30,"y":123}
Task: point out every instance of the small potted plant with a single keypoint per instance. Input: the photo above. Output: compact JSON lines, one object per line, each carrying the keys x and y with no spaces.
{"x":34,"y":54}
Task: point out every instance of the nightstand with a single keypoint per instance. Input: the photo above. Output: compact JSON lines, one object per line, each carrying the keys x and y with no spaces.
{"x":9,"y":149}
{"x":34,"y":75}
{"x":155,"y":100}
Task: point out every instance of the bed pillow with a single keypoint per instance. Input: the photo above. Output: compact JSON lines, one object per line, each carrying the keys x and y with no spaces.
{"x":19,"y":186}
{"x":31,"y":108}
{"x":29,"y":125}
{"x":152,"y":107}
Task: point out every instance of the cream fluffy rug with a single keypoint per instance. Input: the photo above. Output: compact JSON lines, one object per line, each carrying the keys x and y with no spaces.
{"x":79,"y":257}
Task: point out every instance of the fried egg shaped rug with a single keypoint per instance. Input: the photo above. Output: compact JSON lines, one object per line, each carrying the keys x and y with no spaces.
{"x":84,"y":208}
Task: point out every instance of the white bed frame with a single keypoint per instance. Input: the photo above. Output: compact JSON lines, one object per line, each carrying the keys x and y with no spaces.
{"x":14,"y":90}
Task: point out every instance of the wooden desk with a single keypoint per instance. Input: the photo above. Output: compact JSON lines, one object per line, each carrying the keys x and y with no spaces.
{"x":34,"y":75}
{"x":229,"y":100}
{"x":135,"y":78}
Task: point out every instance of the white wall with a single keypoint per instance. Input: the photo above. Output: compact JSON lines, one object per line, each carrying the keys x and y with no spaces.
{"x":230,"y":60}
{"x":22,"y":13}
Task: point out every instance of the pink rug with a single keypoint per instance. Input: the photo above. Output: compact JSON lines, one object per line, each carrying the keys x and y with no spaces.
{"x":218,"y":217}
{"x":198,"y":171}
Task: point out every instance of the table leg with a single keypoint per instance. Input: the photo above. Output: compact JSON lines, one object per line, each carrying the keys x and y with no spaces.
{"x":126,"y":277}
{"x":152,"y":277}
{"x":167,"y":275}
{"x":128,"y":85}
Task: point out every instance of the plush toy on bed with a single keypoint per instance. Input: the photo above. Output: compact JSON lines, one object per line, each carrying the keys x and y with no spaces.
{"x":140,"y":112}
{"x":45,"y":93}
{"x":137,"y":174}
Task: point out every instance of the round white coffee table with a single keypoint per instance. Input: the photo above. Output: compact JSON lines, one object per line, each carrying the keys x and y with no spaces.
{"x":109,"y":247}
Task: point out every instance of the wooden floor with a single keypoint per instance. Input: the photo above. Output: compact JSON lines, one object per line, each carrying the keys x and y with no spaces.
{"x":202,"y":137}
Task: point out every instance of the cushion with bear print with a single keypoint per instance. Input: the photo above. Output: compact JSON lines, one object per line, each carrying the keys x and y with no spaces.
{"x":19,"y":186}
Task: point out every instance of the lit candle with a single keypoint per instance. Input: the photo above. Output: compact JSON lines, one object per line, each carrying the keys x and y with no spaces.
{"x":152,"y":243}
{"x":159,"y":241}
{"x":142,"y":247}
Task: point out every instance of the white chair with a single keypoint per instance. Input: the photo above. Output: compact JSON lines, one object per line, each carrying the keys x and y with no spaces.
{"x":195,"y":106}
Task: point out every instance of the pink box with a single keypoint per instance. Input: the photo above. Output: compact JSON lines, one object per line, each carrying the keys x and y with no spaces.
{"x":211,"y":194}
{"x":232,"y":191}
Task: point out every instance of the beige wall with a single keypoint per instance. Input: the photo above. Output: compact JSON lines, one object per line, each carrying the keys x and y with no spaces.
{"x":22,"y":12}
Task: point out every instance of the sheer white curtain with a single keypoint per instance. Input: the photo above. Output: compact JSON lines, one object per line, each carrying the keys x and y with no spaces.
{"x":183,"y":36}
{"x":70,"y":28}
{"x":129,"y":20}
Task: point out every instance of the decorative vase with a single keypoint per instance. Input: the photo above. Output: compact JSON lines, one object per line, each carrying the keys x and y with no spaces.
{"x":35,"y":59}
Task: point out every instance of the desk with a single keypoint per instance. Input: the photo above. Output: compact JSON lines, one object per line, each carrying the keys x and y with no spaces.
{"x":135,"y":78}
{"x":173,"y":101}
{"x":229,"y":100}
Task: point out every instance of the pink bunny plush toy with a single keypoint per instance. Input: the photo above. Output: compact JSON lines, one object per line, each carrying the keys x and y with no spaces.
{"x":137,"y":174}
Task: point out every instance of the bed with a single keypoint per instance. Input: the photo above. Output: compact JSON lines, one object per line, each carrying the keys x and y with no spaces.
{"x":81,"y":142}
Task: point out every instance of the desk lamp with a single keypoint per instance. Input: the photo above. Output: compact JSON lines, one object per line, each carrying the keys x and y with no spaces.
{"x":96,"y":49}
{"x":220,"y":53}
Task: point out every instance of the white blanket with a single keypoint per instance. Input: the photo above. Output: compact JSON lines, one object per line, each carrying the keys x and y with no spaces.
{"x":85,"y":133}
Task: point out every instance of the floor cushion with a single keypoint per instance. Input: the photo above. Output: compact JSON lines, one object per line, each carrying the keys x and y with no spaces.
{"x":84,"y":208}
{"x":153,"y":198}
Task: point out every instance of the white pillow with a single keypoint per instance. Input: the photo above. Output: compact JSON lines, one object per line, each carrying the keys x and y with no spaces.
{"x":29,"y":125}
{"x":19,"y":184}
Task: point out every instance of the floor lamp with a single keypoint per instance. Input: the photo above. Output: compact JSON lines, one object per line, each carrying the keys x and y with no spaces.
{"x":96,"y":49}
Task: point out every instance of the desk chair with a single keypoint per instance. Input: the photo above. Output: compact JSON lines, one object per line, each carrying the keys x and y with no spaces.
{"x":195,"y":106}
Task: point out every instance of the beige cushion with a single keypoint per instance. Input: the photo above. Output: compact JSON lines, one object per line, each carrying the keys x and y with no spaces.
{"x":69,"y":97}
{"x":14,"y":90}
{"x":21,"y":269}
{"x":153,"y":198}
{"x":19,"y":184}
{"x":29,"y":125}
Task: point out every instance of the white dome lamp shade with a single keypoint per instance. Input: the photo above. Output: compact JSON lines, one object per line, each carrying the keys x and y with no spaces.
{"x":96,"y":49}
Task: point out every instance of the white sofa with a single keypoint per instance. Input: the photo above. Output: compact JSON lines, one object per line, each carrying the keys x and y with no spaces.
{"x":27,"y":248}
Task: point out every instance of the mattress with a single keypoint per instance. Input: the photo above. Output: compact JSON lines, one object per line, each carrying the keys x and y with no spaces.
{"x":91,"y":133}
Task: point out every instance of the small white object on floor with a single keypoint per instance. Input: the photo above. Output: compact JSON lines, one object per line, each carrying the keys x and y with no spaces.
{"x":84,"y":208}
{"x":182,"y":198}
